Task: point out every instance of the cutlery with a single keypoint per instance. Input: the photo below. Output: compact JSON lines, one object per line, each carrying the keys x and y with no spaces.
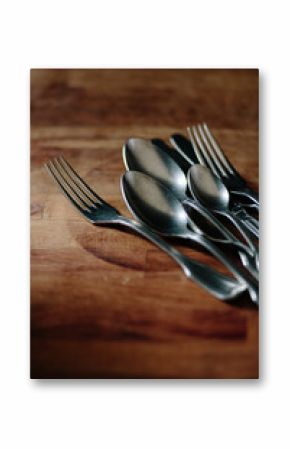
{"x":210,"y":154}
{"x":151,"y":202}
{"x":217,"y":161}
{"x":180,"y":161}
{"x":187,"y":150}
{"x":141,"y":155}
{"x":97,"y":211}
{"x":214,"y":195}
{"x":183,"y":147}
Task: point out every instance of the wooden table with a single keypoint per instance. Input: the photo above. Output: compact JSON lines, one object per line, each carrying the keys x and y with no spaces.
{"x":105,"y":303}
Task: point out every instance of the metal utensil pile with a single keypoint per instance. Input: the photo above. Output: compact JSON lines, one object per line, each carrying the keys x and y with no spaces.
{"x":190,"y":191}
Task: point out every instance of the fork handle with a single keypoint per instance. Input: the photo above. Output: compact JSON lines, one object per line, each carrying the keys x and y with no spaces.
{"x":241,"y":228}
{"x":252,"y":285}
{"x":231,"y":238}
{"x":221,"y":286}
{"x":251,"y":223}
{"x":249,"y":193}
{"x":252,"y":226}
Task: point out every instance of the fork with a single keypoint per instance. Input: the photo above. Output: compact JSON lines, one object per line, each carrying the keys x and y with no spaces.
{"x":98,"y":212}
{"x":224,"y":169}
{"x":184,"y":148}
{"x":210,"y":154}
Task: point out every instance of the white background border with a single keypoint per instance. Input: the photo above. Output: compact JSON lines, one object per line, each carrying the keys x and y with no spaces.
{"x":139,"y":414}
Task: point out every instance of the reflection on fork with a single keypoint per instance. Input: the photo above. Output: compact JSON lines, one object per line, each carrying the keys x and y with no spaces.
{"x":97,"y":211}
{"x":209,"y":153}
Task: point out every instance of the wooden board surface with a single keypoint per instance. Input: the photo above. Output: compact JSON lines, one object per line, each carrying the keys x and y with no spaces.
{"x":106,"y":303}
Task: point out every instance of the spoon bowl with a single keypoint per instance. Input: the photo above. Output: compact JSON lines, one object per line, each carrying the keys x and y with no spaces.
{"x":143,"y":156}
{"x":213,"y":194}
{"x":154,"y":204}
{"x":209,"y":190}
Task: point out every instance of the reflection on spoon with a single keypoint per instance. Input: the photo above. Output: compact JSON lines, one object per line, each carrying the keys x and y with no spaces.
{"x":213,"y":194}
{"x":157,"y":206}
{"x":142,"y":155}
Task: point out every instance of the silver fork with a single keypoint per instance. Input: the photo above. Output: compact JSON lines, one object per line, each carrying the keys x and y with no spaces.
{"x":225,"y":170}
{"x":210,"y":154}
{"x":97,"y":211}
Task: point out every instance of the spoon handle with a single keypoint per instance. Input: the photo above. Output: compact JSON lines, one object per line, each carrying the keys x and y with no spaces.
{"x":252,"y":227}
{"x":248,"y":193}
{"x":245,"y":253}
{"x":249,"y":222}
{"x":241,"y":228}
{"x":221,"y":286}
{"x":215,"y":251}
{"x":231,"y":238}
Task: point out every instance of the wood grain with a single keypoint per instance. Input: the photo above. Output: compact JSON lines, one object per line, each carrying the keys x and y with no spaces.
{"x":106,"y":303}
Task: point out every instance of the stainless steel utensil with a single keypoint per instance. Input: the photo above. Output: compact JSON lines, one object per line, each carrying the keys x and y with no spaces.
{"x":213,"y":156}
{"x":191,"y":153}
{"x":155,"y":205}
{"x":214,"y":195}
{"x":210,"y":154}
{"x":97,"y":211}
{"x":141,"y":155}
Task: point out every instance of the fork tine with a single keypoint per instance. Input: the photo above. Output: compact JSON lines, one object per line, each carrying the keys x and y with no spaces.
{"x":207,"y":143}
{"x":75,"y":182}
{"x":226,"y":163}
{"x":195,"y":146}
{"x":73,"y":185}
{"x":63,"y":187}
{"x":205,"y":151}
{"x":80,"y":182}
{"x":205,"y":154}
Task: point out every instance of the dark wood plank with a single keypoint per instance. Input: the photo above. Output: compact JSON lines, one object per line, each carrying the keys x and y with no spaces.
{"x":106,"y":303}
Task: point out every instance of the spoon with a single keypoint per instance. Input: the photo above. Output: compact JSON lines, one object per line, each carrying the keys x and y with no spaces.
{"x":213,"y":194}
{"x":155,"y":205}
{"x":142,"y":155}
{"x":184,"y":148}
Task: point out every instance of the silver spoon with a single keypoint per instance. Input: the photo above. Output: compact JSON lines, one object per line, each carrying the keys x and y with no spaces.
{"x":155,"y":205}
{"x":213,"y":194}
{"x":92,"y":207}
{"x":141,"y":155}
{"x":184,"y":148}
